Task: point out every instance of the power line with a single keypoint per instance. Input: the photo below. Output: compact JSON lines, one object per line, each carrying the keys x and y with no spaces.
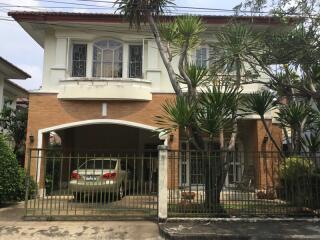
{"x":91,"y":6}
{"x":51,"y":7}
{"x":67,"y":3}
{"x":171,"y":6}
{"x":113,"y":7}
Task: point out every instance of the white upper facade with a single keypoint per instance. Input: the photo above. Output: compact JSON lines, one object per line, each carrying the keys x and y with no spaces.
{"x":86,"y":58}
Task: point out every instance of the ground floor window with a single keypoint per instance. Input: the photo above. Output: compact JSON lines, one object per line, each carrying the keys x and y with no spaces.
{"x":192,"y":166}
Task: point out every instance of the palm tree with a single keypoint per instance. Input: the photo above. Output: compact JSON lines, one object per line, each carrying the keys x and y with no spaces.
{"x":230,"y":58}
{"x":311,"y":142}
{"x":231,"y":52}
{"x":217,"y":113}
{"x":214,"y":110}
{"x":296,"y":116}
{"x":260,"y":103}
{"x":183,"y":33}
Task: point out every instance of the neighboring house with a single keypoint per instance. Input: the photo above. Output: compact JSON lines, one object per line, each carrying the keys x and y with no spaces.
{"x":103,"y":84}
{"x":10,"y":91}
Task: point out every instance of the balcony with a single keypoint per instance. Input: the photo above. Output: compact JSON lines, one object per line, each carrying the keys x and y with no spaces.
{"x":105,"y":89}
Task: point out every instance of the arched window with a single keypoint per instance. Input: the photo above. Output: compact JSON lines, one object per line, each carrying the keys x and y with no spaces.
{"x":107,"y":59}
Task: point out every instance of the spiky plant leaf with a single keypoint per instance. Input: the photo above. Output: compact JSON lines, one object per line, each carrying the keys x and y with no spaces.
{"x":218,"y":108}
{"x":234,"y":44}
{"x":198,"y":75}
{"x":294,"y":114}
{"x":136,"y":11}
{"x":258,"y":103}
{"x":178,"y":113}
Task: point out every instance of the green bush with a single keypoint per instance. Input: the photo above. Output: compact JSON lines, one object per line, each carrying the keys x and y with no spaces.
{"x":9,"y":173}
{"x":21,"y":189}
{"x":293,"y":167}
{"x":12,"y":177}
{"x":299,"y":182}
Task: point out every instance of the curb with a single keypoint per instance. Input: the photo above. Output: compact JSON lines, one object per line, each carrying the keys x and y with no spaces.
{"x":168,"y":235}
{"x":248,"y":220}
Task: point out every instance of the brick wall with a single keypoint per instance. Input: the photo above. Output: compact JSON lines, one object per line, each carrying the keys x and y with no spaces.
{"x":45,"y":110}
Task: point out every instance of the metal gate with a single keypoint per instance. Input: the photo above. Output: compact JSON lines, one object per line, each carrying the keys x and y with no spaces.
{"x":91,"y":185}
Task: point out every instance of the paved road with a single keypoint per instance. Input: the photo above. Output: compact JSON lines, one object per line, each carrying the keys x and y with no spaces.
{"x":13,"y":227}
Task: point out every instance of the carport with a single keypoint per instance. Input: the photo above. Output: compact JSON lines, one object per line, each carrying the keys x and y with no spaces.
{"x":133,"y":145}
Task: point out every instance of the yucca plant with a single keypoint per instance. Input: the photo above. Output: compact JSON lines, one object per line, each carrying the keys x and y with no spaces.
{"x":198,"y":75}
{"x":311,"y":142}
{"x":232,"y":50}
{"x":296,"y":116}
{"x":138,"y":11}
{"x":178,"y":113}
{"x":218,"y":108}
{"x":261,"y":103}
{"x":181,"y":35}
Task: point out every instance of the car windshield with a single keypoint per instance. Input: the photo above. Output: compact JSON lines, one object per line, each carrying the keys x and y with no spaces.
{"x":99,"y":164}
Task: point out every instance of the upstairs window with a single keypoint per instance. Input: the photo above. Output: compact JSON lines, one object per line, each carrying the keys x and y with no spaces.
{"x":107,"y":59}
{"x":135,"y":61}
{"x":202,"y":57}
{"x":79,"y":60}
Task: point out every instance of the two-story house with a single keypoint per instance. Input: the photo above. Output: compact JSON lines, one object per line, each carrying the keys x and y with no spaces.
{"x":103,"y":83}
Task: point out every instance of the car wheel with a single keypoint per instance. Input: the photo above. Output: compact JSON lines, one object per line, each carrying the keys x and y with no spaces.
{"x":121,"y":193}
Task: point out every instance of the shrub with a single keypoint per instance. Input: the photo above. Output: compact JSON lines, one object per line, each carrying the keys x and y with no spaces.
{"x":9,"y":172}
{"x":21,"y":189}
{"x":12,"y":177}
{"x":295,"y":166}
{"x":299,"y":182}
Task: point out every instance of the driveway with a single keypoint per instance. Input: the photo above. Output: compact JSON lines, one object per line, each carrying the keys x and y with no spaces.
{"x":13,"y":227}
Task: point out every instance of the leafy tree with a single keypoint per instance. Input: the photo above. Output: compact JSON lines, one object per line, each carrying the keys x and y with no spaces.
{"x":291,"y":59}
{"x":12,"y":176}
{"x":207,"y":114}
{"x":13,"y":123}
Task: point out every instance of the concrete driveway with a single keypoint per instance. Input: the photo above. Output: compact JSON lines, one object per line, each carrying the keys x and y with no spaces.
{"x":13,"y":227}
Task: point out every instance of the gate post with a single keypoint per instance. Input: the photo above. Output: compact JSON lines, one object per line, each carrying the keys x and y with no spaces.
{"x":163,"y":183}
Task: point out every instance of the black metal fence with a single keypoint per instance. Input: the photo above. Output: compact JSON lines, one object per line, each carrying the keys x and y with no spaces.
{"x":242,"y":184}
{"x":200,"y":184}
{"x":92,"y":184}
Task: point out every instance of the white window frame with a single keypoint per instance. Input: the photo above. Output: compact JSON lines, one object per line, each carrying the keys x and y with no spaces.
{"x":89,"y":60}
{"x":113,"y":62}
{"x":207,"y":52}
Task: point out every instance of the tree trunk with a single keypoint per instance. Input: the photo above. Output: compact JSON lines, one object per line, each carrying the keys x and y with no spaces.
{"x":216,"y":173}
{"x":213,"y":186}
{"x":166,"y":62}
{"x":287,"y":138}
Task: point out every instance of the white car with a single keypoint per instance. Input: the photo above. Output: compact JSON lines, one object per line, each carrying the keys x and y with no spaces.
{"x":99,"y":176}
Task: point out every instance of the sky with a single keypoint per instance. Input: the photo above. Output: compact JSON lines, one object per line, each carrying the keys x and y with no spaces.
{"x":20,"y":49}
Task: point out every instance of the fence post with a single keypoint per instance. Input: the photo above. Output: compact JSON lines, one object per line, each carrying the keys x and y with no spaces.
{"x":163,"y":183}
{"x":27,"y":181}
